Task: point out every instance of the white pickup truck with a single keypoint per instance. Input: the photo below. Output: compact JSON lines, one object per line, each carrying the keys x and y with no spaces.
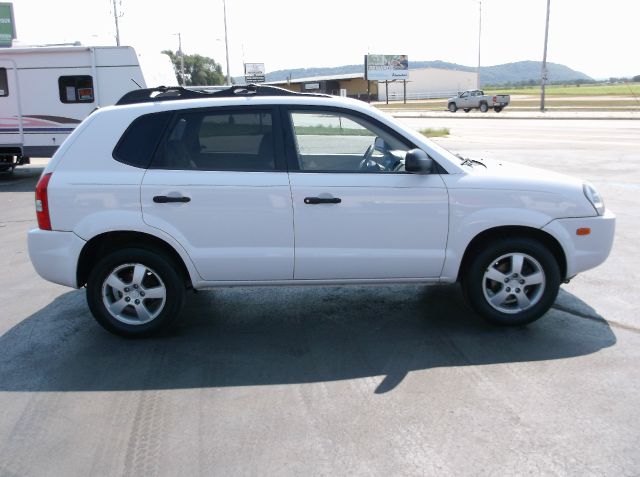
{"x":476,"y":99}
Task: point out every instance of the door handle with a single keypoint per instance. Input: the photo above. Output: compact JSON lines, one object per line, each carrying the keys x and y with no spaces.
{"x":322,"y":200}
{"x":163,"y":199}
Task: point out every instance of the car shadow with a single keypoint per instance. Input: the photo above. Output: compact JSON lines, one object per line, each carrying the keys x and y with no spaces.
{"x":262,"y":336}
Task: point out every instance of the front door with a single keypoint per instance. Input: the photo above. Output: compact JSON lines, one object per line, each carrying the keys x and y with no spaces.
{"x":218,"y":184}
{"x":357,"y":214}
{"x":10,"y":119}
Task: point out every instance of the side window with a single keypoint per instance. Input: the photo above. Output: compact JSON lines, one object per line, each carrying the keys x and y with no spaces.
{"x":76,"y":89}
{"x":139,"y":141}
{"x":336,"y":142}
{"x":4,"y":82}
{"x":464,"y":95}
{"x":219,"y":141}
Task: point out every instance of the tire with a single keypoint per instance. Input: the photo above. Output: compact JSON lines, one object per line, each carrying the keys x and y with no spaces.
{"x":452,"y":107}
{"x":497,"y":109}
{"x":517,"y":300}
{"x":483,"y":107}
{"x":466,"y":110}
{"x":135,"y":293}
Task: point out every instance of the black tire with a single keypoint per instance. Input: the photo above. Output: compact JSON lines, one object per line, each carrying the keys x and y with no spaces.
{"x":484,"y":107}
{"x":160,"y":275}
{"x":466,"y":110}
{"x":478,"y":289}
{"x":497,"y":109}
{"x":452,"y":107}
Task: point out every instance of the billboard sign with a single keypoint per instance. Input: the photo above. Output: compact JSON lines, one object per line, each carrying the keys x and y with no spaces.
{"x":254,"y":72}
{"x":7,"y":24}
{"x":386,"y":67}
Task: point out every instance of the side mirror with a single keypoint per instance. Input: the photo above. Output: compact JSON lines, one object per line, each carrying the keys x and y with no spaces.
{"x":418,"y":162}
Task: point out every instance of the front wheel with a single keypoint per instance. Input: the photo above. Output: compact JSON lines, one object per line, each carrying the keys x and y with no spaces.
{"x":135,"y":293}
{"x":452,"y":107}
{"x":512,"y":282}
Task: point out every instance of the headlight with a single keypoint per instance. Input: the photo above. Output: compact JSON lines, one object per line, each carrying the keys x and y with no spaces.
{"x":592,"y":194}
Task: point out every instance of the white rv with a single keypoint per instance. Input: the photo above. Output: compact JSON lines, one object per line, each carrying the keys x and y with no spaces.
{"x":45,"y":92}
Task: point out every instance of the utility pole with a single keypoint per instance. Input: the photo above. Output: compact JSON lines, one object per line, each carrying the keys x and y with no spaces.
{"x":226,"y":43}
{"x":115,"y":17}
{"x":181,"y":59}
{"x":543,"y":79}
{"x":479,"y":37}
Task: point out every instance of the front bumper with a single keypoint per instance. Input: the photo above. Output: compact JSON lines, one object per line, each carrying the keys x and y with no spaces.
{"x":584,"y":252}
{"x":55,"y":255}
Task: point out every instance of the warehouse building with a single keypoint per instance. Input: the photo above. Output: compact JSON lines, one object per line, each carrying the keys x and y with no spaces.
{"x":422,"y":83}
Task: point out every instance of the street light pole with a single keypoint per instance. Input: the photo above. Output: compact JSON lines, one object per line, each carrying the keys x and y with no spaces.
{"x":479,"y":38}
{"x":226,"y":43}
{"x":543,"y":79}
{"x":115,"y":17}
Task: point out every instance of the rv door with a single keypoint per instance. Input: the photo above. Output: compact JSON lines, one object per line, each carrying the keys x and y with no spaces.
{"x":11,"y":127}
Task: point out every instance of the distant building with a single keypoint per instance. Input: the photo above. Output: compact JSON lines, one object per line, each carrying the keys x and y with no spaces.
{"x":422,"y":83}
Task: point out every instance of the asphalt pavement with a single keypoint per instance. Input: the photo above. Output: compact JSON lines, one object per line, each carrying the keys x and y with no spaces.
{"x":388,"y":380}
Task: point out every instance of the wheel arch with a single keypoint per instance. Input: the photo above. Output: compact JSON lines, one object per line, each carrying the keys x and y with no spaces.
{"x":511,"y":232}
{"x":114,"y":240}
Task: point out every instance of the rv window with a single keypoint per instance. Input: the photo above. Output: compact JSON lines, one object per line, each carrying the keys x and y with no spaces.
{"x":76,"y":89}
{"x":4,"y":83}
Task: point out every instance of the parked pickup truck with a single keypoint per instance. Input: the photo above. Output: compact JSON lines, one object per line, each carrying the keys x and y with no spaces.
{"x":476,"y":99}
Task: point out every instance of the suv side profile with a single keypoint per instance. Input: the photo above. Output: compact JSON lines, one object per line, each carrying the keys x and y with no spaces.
{"x":172,"y":189}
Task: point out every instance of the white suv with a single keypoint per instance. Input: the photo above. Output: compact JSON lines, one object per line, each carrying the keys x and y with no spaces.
{"x":173,"y":189}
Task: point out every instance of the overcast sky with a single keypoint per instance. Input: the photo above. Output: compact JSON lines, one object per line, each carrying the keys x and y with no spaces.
{"x":596,"y":37}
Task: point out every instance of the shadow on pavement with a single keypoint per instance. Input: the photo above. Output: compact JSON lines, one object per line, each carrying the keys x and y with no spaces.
{"x":23,"y":179}
{"x":242,"y":337}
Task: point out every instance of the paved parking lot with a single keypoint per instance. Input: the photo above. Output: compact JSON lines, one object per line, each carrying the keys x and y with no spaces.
{"x":395,"y":380}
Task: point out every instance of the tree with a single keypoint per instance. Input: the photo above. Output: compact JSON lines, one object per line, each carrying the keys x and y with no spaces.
{"x":636,"y":78}
{"x":198,"y":70}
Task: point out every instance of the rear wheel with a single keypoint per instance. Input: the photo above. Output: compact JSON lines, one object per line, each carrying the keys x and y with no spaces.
{"x":452,"y":107}
{"x":512,"y":282}
{"x":135,"y":293}
{"x":466,"y":110}
{"x":497,"y":109}
{"x":484,"y":107}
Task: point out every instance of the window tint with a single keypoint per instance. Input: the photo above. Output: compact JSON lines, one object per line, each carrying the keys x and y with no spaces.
{"x":340,"y":142}
{"x":139,"y":142}
{"x":76,"y":89}
{"x":219,"y":141}
{"x":4,"y":82}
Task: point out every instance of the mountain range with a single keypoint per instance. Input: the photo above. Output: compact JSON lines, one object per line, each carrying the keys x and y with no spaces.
{"x":520,"y":71}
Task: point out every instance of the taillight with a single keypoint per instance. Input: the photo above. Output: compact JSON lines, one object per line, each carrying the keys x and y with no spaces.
{"x":42,"y":203}
{"x":495,"y":98}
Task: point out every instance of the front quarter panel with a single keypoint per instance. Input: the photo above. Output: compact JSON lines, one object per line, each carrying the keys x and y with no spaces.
{"x":476,"y":206}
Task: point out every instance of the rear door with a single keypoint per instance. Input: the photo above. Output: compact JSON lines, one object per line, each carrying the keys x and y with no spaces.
{"x":218,"y":184}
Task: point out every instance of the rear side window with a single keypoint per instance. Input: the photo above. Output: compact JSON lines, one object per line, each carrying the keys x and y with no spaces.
{"x":219,"y":141}
{"x":4,"y":83}
{"x":76,"y":89}
{"x":139,"y":141}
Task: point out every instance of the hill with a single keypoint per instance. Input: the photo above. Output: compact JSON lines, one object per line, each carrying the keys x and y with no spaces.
{"x":519,"y":72}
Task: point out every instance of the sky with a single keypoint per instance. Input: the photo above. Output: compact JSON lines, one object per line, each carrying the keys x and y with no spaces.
{"x":595,"y":37}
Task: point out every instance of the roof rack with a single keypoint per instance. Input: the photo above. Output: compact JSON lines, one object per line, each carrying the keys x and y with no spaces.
{"x":172,"y":93}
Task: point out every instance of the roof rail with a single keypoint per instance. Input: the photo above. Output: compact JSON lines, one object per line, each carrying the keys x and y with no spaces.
{"x":172,"y":93}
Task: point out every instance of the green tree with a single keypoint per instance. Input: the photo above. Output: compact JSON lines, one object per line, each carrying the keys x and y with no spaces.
{"x":198,"y":70}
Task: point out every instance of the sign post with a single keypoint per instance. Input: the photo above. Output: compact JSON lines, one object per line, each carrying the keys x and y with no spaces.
{"x":7,"y":24}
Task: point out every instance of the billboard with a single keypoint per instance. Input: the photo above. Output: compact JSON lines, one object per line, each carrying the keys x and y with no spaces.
{"x":7,"y":24}
{"x":254,"y":72}
{"x":386,"y":67}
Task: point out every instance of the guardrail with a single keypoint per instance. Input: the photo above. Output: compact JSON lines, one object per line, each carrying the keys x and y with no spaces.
{"x":399,"y":96}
